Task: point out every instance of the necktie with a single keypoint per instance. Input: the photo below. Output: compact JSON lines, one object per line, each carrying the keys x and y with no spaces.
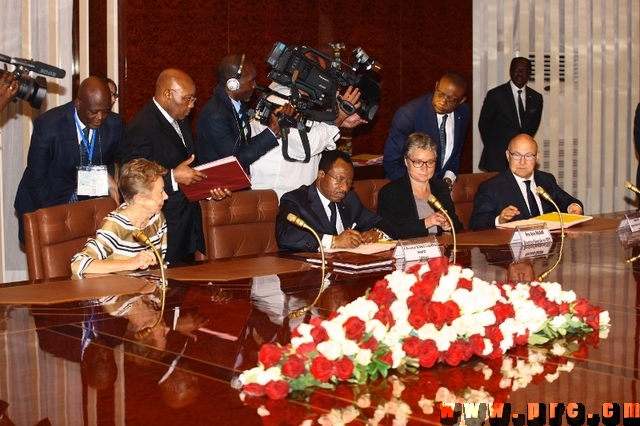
{"x":533,"y":206}
{"x":521,"y":111}
{"x":243,"y":117}
{"x":84,"y":150}
{"x":176,"y":126}
{"x":443,"y":138}
{"x":334,"y":217}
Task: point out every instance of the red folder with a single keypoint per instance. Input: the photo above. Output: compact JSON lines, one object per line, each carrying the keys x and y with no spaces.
{"x":224,"y":173}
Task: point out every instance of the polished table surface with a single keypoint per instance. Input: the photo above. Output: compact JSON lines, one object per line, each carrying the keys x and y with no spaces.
{"x":176,"y":379}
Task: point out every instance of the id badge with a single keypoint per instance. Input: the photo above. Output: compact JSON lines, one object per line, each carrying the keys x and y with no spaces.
{"x":93,"y":181}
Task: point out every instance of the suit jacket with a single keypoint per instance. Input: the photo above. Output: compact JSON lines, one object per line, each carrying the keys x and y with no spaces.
{"x":151,"y":136}
{"x":501,"y":191}
{"x":305,"y":203}
{"x":50,"y":177}
{"x":419,"y":116}
{"x":397,"y":205}
{"x":498,"y":124}
{"x":219,"y":133}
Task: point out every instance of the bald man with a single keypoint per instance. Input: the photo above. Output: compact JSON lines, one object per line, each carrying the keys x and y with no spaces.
{"x":77,"y":139}
{"x":161,"y":132}
{"x":511,"y":195}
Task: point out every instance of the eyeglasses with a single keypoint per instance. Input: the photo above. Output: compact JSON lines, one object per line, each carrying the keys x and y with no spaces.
{"x":419,"y":163}
{"x":190,"y":99}
{"x":517,"y":156}
{"x":340,"y":181}
{"x":450,"y":100}
{"x":114,"y":95}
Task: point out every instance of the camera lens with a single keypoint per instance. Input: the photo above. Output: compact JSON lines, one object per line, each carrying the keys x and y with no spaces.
{"x":32,"y":91}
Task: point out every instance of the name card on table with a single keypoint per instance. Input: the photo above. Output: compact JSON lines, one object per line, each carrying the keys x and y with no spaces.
{"x":629,"y":229}
{"x":530,"y":251}
{"x":531,"y":235}
{"x":418,"y":249}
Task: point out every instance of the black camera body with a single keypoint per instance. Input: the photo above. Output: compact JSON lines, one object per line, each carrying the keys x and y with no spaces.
{"x":31,"y":90}
{"x":315,"y":89}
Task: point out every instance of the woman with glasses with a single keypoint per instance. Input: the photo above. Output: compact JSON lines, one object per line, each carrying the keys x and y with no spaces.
{"x":403,"y":202}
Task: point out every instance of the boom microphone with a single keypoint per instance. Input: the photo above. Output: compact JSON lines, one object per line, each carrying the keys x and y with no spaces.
{"x":437,"y":206}
{"x":544,"y":194}
{"x":632,"y":187}
{"x":40,"y":67}
{"x":144,"y":240}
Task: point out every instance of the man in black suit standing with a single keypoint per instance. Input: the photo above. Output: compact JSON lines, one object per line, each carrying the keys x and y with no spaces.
{"x":508,"y":110}
{"x":161,"y":133}
{"x":330,"y":208}
{"x":223,"y":124}
{"x":75,"y":142}
{"x":511,"y":195}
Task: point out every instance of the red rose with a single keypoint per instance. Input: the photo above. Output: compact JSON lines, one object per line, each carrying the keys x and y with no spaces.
{"x":537,"y":293}
{"x":315,"y":321}
{"x":254,"y":389}
{"x":428,"y":354}
{"x":425,"y":287}
{"x":385,"y":316}
{"x":371,"y":343}
{"x":293,"y":367}
{"x":521,"y":339}
{"x":582,"y":352}
{"x":439,"y":265}
{"x":319,"y":334}
{"x":494,"y":334}
{"x":387,"y":358}
{"x":411,"y":346}
{"x":564,"y":308}
{"x":354,"y":328}
{"x":416,"y":302}
{"x":436,"y":314}
{"x":321,"y":369}
{"x":343,"y":368}
{"x":476,"y":342}
{"x":464,"y":283}
{"x":455,"y":354}
{"x":269,"y":355}
{"x":451,"y":311}
{"x":417,"y":319}
{"x":381,"y":294}
{"x":305,"y":349}
{"x":277,"y":389}
{"x":553,"y":309}
{"x":502,"y":311}
{"x":413,"y":269}
{"x":581,"y":307}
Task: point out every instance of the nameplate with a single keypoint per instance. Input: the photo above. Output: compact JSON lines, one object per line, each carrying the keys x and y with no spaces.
{"x":530,"y":251}
{"x":630,"y":223}
{"x":418,"y":249}
{"x":531,"y":235}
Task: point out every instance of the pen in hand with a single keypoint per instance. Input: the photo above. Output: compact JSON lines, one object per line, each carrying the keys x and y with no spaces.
{"x":353,"y":226}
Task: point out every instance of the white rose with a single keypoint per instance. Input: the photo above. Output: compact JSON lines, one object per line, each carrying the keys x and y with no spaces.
{"x":332,"y":350}
{"x":363,"y":357}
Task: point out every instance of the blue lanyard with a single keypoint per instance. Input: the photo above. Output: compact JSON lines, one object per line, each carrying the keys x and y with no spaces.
{"x":88,"y":147}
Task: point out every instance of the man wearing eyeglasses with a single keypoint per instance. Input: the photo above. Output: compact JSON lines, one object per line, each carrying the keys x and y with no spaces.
{"x":161,"y":133}
{"x":441,"y":114}
{"x":330,"y":208}
{"x":511,"y":195}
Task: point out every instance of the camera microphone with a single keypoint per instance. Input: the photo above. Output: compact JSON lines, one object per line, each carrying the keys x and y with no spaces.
{"x":40,"y":67}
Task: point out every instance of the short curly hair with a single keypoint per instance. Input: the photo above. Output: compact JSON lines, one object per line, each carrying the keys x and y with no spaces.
{"x":137,"y":177}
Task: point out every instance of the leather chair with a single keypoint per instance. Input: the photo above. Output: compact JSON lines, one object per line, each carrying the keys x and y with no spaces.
{"x":367,"y":190}
{"x":54,"y":234}
{"x":240,"y":225}
{"x":464,"y":191}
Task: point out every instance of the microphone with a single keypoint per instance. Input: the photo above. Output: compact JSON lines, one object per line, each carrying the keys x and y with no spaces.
{"x":633,"y":259}
{"x":144,"y":240}
{"x":437,"y":206}
{"x":40,"y":67}
{"x":545,"y":195}
{"x":632,"y":187}
{"x":297,"y":221}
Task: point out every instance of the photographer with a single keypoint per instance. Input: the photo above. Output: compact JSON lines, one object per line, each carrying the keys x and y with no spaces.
{"x":8,"y":88}
{"x":274,"y":171}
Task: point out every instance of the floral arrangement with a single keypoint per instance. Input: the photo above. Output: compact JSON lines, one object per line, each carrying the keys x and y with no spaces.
{"x":432,"y":313}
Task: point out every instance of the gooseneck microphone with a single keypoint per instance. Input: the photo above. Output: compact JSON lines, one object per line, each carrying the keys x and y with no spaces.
{"x":545,"y":195}
{"x":144,"y":240}
{"x":297,"y":221}
{"x":437,"y":206}
{"x":632,"y":187}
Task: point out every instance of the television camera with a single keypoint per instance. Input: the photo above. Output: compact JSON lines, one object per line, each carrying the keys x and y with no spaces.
{"x":30,"y":90}
{"x":315,"y":90}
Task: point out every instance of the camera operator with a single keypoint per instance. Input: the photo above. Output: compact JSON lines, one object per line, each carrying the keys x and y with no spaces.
{"x":223,"y":125}
{"x":8,"y":88}
{"x":274,"y":171}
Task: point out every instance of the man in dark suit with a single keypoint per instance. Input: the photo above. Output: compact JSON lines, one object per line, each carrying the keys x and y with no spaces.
{"x":508,"y":110}
{"x":636,"y":138}
{"x":511,"y":195}
{"x":441,"y":114}
{"x":223,"y":124}
{"x":329,"y":208}
{"x":161,"y":133}
{"x":84,"y":133}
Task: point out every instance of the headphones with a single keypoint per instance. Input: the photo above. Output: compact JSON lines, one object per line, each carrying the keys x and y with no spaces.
{"x":233,"y":83}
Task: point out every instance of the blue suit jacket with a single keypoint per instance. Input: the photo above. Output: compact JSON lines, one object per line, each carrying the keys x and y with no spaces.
{"x":499,"y":123}
{"x":501,"y":191}
{"x":305,"y":203}
{"x":219,"y":134}
{"x":50,"y":177}
{"x":418,"y":115}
